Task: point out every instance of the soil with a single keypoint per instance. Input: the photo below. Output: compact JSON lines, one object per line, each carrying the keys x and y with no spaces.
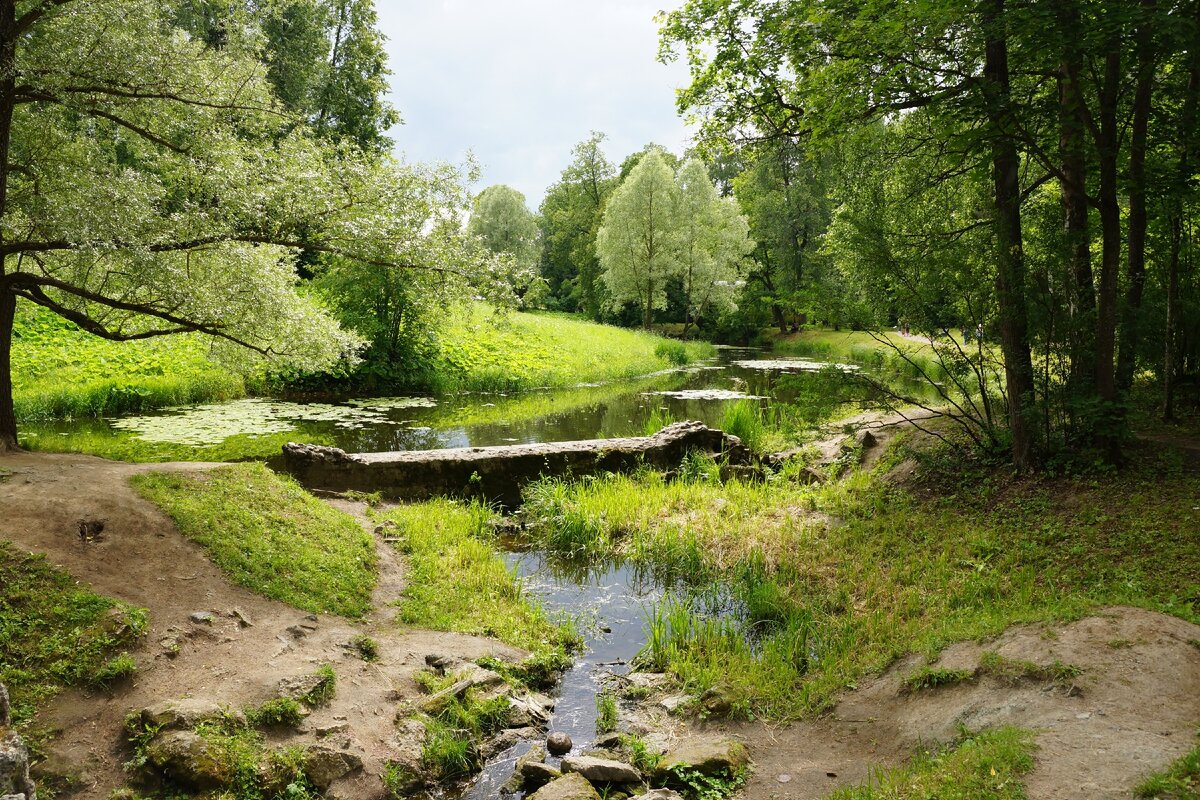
{"x":1135,"y":707}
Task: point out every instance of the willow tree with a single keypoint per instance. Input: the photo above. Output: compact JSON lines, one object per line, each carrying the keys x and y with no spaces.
{"x":151,"y":185}
{"x":638,"y":242}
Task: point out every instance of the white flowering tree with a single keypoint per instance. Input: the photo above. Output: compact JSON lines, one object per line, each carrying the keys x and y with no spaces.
{"x":151,"y":185}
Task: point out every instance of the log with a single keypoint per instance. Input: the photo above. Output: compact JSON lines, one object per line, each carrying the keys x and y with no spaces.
{"x":500,"y":473}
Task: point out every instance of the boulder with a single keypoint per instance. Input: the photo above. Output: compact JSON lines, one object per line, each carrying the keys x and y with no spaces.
{"x":324,"y":765}
{"x":536,"y":774}
{"x":186,"y":712}
{"x":14,"y":768}
{"x":571,"y":786}
{"x":602,"y":770}
{"x":717,"y":756}
{"x":865,"y":439}
{"x":404,"y":763}
{"x":559,"y":743}
{"x":659,"y":794}
{"x":675,"y":703}
{"x":718,"y":700}
{"x":188,"y":759}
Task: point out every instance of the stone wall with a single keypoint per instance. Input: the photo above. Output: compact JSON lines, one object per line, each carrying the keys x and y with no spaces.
{"x":499,"y":473}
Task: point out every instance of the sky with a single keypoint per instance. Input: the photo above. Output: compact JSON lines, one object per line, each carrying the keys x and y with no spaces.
{"x":520,"y":82}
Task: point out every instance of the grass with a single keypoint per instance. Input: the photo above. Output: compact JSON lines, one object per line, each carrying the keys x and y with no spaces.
{"x":280,"y":712}
{"x":790,"y":609}
{"x":1179,"y":781}
{"x":984,"y":766}
{"x":606,"y":713}
{"x":366,"y":647}
{"x":271,"y":536}
{"x":457,"y":580}
{"x":933,"y":677}
{"x":483,"y":352}
{"x":60,"y":371}
{"x":96,"y":438}
{"x":56,"y":634}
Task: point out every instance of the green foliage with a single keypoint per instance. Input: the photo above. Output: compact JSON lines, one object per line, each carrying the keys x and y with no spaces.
{"x":809,"y":607}
{"x":114,"y":670}
{"x":457,"y":581}
{"x":697,"y":786}
{"x":606,"y":712}
{"x":322,"y":693}
{"x":279,"y":712}
{"x":992,"y":663}
{"x":744,"y":419}
{"x":984,"y":766}
{"x":366,"y":647}
{"x":56,"y":634}
{"x":1179,"y":781}
{"x":674,"y":352}
{"x":928,"y":677}
{"x":638,"y":240}
{"x":488,"y":352}
{"x":642,"y":755}
{"x":505,"y":225}
{"x":271,"y":536}
{"x":447,"y":752}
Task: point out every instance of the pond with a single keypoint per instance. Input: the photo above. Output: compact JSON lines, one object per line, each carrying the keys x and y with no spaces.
{"x":256,"y":428}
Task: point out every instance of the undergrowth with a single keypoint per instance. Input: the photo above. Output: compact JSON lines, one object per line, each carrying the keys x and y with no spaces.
{"x":983,"y":766}
{"x":56,"y":634}
{"x":271,"y":536}
{"x":1179,"y":781}
{"x":791,"y":609}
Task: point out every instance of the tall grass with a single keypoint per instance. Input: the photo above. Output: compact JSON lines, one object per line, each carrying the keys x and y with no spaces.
{"x":745,"y":420}
{"x":802,"y":607}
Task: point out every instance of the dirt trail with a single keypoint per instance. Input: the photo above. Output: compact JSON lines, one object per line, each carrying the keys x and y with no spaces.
{"x":142,"y":559}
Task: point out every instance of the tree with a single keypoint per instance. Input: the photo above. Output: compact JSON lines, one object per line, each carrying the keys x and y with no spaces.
{"x":570,"y":218}
{"x":713,"y":240}
{"x":638,"y":243}
{"x":151,"y":185}
{"x":504,"y":224}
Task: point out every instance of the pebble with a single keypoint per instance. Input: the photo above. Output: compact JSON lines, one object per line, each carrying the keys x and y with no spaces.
{"x":784,"y":778}
{"x":202,"y":617}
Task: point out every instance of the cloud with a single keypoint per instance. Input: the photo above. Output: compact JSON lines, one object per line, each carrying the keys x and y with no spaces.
{"x":519,"y":82}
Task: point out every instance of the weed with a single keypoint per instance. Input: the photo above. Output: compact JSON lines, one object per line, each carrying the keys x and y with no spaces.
{"x":54,"y":633}
{"x":986,"y":766}
{"x":698,"y":786}
{"x":399,"y":780}
{"x":114,"y":670}
{"x":606,"y":713}
{"x":934,"y":677}
{"x":457,"y":580}
{"x":636,"y":693}
{"x":658,"y":419}
{"x":1179,"y":781}
{"x":322,"y":693}
{"x":448,"y":752}
{"x":281,"y":712}
{"x":1057,"y":673}
{"x":675,"y":352}
{"x":366,"y":647}
{"x":744,"y":419}
{"x":271,"y":536}
{"x":641,"y":755}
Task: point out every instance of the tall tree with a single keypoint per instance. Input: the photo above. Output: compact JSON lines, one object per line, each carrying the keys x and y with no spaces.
{"x":505,"y":224}
{"x":713,"y":240}
{"x":638,"y":243}
{"x":570,"y":218}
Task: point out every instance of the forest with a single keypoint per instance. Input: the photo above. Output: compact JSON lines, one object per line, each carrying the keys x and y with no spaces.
{"x":849,"y":450}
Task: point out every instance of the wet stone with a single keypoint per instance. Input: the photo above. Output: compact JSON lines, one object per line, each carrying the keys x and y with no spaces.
{"x":601,"y":770}
{"x":572,"y":786}
{"x":559,"y":743}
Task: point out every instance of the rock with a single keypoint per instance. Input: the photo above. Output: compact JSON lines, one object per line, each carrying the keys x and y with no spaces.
{"x":324,"y":765}
{"x":609,"y":741}
{"x":5,"y":707}
{"x":659,"y":794}
{"x":14,"y":767}
{"x":525,"y":711}
{"x":717,"y":700}
{"x":434,"y":704}
{"x":325,"y":731}
{"x":299,"y":687}
{"x":571,"y":786}
{"x":187,"y":712}
{"x":602,"y":770}
{"x":559,"y":743}
{"x":675,"y":702}
{"x":499,"y":743}
{"x":405,"y":759}
{"x":865,"y":439}
{"x":241,"y":617}
{"x":482,"y":678}
{"x":535,"y":775}
{"x":808,"y":476}
{"x":60,"y":771}
{"x":716,"y":756}
{"x":648,"y":680}
{"x":440,"y":662}
{"x":202,"y":617}
{"x":186,"y":758}
{"x":740,"y":472}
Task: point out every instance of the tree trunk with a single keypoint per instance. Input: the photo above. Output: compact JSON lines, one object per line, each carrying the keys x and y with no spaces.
{"x":8,"y":301}
{"x":648,"y":311}
{"x":1010,"y":257}
{"x":1171,"y":346}
{"x":1072,"y":127}
{"x":1131,"y":332}
{"x":1107,"y":434}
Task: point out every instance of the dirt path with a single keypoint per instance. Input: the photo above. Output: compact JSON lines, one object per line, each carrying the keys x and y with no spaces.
{"x":142,"y":559}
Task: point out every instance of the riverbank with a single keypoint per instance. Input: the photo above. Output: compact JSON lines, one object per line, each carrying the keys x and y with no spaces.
{"x":62,"y":372}
{"x":854,"y":588}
